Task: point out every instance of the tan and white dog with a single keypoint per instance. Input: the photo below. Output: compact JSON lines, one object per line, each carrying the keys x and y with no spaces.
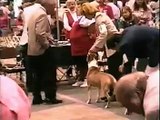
{"x":103,"y":81}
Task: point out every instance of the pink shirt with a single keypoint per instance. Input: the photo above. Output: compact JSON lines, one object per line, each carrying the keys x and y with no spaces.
{"x":13,"y":101}
{"x":4,"y":21}
{"x":144,"y":15}
{"x":151,"y":98}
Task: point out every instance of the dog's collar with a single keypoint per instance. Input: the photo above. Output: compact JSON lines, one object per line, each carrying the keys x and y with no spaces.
{"x":92,"y":63}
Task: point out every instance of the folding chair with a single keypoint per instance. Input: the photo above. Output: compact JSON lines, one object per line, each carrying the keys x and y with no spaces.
{"x":11,"y":63}
{"x":63,"y":71}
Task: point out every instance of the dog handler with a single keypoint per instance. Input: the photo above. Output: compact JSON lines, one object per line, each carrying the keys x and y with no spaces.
{"x":137,"y":42}
{"x":106,"y":29}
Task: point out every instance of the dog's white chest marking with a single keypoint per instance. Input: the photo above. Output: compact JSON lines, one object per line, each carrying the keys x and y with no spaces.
{"x":92,"y":63}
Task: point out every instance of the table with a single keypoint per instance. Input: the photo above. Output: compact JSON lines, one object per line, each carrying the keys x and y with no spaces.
{"x":62,"y":55}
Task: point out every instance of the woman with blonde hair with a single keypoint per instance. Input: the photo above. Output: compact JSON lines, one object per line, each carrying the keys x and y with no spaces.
{"x":82,"y":37}
{"x":106,"y":29}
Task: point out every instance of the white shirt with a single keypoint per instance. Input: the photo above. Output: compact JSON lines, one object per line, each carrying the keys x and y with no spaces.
{"x":120,"y":4}
{"x":115,"y":9}
{"x":26,"y":15}
{"x":84,"y":22}
{"x":65,"y":20}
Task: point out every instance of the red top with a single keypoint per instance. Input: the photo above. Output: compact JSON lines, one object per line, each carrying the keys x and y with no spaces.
{"x":4,"y":21}
{"x":80,"y":40}
{"x":19,"y":22}
{"x":70,"y":18}
{"x":108,"y":10}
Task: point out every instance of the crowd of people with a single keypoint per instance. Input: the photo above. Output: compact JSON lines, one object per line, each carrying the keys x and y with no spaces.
{"x":111,"y":17}
{"x":124,"y":30}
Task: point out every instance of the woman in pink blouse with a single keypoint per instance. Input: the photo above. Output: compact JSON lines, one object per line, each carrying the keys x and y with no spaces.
{"x":142,"y":12}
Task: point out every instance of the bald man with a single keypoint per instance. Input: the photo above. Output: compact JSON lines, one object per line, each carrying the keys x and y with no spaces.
{"x":39,"y":52}
{"x":139,"y":93}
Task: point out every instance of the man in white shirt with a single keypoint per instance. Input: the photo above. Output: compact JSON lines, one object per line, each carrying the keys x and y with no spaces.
{"x":26,"y":17}
{"x":28,"y":8}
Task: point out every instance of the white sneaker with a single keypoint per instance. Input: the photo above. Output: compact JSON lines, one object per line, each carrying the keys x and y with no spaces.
{"x":84,"y":84}
{"x":78,"y":83}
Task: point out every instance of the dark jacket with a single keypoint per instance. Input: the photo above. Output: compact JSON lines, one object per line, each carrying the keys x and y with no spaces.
{"x":141,"y":42}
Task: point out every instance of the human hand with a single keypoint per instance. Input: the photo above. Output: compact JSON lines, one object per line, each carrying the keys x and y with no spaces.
{"x":92,"y":55}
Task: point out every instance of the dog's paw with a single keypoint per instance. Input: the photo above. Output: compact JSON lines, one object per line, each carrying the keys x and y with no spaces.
{"x":127,"y":112}
{"x":107,"y":106}
{"x":97,"y":101}
{"x":88,"y":101}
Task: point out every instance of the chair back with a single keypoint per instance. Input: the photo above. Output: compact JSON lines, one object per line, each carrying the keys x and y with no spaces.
{"x":6,"y":52}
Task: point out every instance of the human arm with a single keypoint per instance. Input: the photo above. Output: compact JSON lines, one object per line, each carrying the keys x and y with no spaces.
{"x":42,"y":30}
{"x":66,"y":23}
{"x":101,"y":39}
{"x":106,"y":29}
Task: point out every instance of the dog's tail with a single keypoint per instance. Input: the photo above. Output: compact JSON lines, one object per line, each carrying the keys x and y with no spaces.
{"x":113,"y":79}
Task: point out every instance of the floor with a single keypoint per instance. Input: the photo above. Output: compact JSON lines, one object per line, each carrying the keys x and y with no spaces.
{"x":74,"y":107}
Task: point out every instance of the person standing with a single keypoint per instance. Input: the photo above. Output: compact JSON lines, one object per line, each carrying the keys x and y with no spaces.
{"x":105,"y":28}
{"x":69,"y":17}
{"x":28,"y":6}
{"x":39,"y":53}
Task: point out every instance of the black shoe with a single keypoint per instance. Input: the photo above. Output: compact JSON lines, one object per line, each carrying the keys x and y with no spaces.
{"x":52,"y":101}
{"x":37,"y":101}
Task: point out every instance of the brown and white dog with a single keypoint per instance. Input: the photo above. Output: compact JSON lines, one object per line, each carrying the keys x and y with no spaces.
{"x":103,"y":81}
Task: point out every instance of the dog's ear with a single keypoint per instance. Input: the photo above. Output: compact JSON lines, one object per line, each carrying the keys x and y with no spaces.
{"x":96,"y":56}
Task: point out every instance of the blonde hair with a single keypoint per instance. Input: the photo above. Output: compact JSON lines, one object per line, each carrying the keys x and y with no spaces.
{"x":88,"y":9}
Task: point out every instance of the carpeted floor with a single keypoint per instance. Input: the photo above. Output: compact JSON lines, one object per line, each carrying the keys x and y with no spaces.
{"x":75,"y":112}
